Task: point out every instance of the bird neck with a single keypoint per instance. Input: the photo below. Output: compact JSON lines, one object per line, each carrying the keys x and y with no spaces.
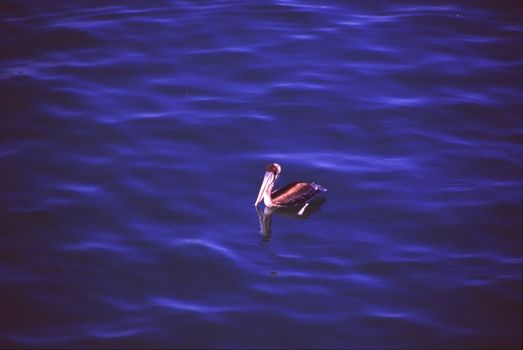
{"x":267,"y":200}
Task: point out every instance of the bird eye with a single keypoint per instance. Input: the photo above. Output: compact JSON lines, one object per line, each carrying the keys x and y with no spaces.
{"x":272,"y":168}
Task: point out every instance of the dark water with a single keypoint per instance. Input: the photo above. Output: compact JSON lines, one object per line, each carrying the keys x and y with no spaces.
{"x":135,"y":134}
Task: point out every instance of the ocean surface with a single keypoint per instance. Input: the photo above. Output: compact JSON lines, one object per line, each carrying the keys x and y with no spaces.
{"x":134,"y":137}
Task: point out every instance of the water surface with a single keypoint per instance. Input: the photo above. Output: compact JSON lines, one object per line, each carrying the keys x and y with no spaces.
{"x":134,"y":138}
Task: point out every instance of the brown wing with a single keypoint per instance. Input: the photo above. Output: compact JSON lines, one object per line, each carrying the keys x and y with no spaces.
{"x":295,"y":193}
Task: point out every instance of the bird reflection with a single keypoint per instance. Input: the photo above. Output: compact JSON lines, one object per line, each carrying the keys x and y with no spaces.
{"x":265,"y":215}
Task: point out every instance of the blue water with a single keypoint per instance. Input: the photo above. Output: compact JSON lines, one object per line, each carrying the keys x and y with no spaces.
{"x":134,"y":139}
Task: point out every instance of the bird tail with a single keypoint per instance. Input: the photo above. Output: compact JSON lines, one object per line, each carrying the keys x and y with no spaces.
{"x":319,"y":188}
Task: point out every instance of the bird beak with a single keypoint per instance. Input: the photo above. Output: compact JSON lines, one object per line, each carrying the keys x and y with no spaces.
{"x":267,"y":180}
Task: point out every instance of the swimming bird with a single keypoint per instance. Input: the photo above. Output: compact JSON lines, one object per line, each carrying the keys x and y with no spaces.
{"x":295,"y":193}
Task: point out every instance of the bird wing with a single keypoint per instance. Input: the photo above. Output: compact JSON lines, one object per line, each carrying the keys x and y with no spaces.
{"x":294,"y":193}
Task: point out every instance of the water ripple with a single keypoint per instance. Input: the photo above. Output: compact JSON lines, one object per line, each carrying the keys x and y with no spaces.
{"x":135,"y":138}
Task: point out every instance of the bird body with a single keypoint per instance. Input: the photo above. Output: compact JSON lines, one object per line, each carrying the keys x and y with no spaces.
{"x":295,"y":193}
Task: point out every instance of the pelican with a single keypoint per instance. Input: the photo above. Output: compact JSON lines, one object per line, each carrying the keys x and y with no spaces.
{"x":295,"y":193}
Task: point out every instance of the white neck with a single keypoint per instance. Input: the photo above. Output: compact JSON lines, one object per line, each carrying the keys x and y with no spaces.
{"x":267,"y":197}
{"x":267,"y":200}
